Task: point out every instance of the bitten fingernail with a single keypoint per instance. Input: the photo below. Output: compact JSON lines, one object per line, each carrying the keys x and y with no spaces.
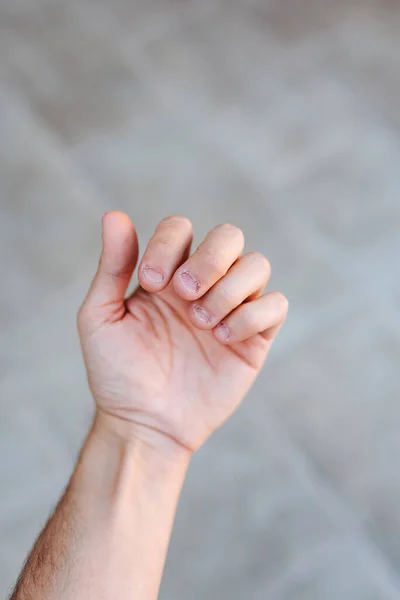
{"x":201,"y":313}
{"x":222,"y":332}
{"x":189,"y":282}
{"x":153,"y":275}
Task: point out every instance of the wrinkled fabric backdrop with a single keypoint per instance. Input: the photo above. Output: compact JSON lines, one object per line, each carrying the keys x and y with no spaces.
{"x":281,"y":117}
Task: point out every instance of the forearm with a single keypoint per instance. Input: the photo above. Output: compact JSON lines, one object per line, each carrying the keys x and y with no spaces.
{"x":109,"y":536}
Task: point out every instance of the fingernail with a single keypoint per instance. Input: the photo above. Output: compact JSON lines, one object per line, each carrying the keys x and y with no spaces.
{"x":153,"y":275}
{"x":222,"y":332}
{"x":201,"y":313}
{"x":189,"y":282}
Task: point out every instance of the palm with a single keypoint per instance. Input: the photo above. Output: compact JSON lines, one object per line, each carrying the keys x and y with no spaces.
{"x":154,"y":355}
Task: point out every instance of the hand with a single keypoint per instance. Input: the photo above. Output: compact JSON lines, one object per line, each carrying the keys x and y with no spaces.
{"x":176,"y":358}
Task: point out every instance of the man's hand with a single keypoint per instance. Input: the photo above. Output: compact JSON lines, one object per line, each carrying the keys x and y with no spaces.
{"x":174,"y":360}
{"x":166,"y":367}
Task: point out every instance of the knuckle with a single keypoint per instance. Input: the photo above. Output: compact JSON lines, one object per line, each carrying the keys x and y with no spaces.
{"x":261,"y":260}
{"x":82,"y":317}
{"x":228,"y":296}
{"x":250,"y":320}
{"x":213,"y":263}
{"x":165,"y":240}
{"x":282,"y":303}
{"x":231,"y":230}
{"x":118,"y":272}
{"x":175,"y":221}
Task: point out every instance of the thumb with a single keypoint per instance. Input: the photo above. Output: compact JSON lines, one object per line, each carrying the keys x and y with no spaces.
{"x":117,"y":263}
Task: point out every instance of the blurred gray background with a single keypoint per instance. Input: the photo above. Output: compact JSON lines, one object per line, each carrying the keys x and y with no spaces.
{"x":283,"y":118}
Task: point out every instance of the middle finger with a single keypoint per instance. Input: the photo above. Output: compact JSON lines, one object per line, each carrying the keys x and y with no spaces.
{"x":211,"y":261}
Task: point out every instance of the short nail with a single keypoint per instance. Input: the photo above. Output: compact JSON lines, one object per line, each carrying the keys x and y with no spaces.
{"x":189,"y":282}
{"x":201,"y":313}
{"x":153,"y":275}
{"x":223,"y":332}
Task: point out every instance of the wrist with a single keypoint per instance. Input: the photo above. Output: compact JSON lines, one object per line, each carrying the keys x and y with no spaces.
{"x":151,"y":444}
{"x":115,"y":463}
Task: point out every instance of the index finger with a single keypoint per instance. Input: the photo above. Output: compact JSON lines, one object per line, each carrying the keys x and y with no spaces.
{"x":166,"y":250}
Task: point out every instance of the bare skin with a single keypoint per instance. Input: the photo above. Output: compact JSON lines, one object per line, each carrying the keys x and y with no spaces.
{"x":166,"y":367}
